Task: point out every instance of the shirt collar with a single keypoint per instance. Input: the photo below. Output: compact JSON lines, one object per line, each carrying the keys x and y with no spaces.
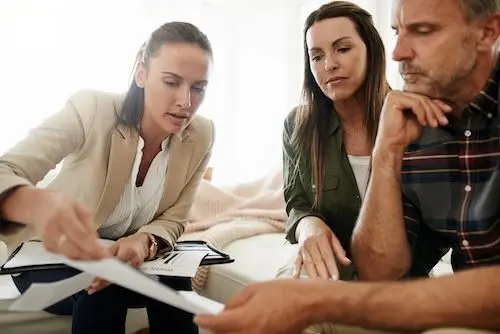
{"x":486,"y":102}
{"x":164,"y":143}
{"x":334,"y":123}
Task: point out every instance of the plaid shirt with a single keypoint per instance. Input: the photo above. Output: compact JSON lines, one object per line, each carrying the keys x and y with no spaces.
{"x":451,"y":186}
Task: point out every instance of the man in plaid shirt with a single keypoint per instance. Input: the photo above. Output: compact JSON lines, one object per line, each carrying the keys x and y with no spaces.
{"x":436,"y":166}
{"x":435,"y":185}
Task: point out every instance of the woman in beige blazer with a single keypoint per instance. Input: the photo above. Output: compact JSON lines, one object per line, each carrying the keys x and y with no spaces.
{"x":131,"y":168}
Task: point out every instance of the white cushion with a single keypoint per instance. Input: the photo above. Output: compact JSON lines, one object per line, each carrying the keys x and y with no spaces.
{"x":256,"y":259}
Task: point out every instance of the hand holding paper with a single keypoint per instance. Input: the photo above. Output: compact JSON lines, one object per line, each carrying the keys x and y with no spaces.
{"x":40,"y":296}
{"x":128,"y":277}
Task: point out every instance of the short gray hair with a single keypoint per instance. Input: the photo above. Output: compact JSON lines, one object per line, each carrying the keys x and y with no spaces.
{"x":475,"y":9}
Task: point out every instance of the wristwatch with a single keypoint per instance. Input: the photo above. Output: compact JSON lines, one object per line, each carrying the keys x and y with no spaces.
{"x":153,"y":246}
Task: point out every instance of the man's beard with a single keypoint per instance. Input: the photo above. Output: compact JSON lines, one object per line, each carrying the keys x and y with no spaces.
{"x":441,"y":87}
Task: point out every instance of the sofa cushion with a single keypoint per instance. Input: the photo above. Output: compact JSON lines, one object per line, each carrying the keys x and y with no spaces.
{"x":256,"y":259}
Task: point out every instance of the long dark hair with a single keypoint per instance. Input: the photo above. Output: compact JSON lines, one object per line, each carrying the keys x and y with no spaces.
{"x":171,"y":32}
{"x":314,"y":113}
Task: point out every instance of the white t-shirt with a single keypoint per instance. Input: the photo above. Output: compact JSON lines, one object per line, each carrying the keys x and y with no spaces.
{"x":360,"y":166}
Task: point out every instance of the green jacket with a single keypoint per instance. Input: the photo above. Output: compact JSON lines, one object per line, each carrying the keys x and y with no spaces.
{"x":341,"y":200}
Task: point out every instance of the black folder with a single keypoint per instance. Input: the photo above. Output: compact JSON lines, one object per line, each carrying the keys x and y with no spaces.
{"x":213,"y":257}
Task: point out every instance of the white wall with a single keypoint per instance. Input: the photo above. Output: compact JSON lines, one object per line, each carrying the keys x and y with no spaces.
{"x":53,"y":48}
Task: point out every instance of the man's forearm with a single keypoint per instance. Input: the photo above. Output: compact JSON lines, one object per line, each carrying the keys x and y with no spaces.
{"x":379,"y":244}
{"x":470,"y":299}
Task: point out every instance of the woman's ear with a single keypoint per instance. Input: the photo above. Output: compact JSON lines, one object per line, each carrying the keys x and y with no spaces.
{"x":140,"y":75}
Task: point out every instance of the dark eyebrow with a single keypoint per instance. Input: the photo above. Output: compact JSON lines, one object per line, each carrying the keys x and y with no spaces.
{"x":177,"y":76}
{"x":334,"y":44}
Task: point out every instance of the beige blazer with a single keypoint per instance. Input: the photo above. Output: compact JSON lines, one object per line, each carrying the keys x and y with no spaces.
{"x":98,"y":157}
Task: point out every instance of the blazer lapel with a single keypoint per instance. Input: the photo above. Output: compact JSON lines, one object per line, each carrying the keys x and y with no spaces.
{"x":122,"y":153}
{"x":180,"y":153}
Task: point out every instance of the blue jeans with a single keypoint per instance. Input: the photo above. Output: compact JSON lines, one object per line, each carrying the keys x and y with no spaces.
{"x":106,"y":311}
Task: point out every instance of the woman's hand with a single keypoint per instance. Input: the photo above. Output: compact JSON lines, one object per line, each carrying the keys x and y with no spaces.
{"x":319,"y":250}
{"x":64,"y":225}
{"x":133,"y":249}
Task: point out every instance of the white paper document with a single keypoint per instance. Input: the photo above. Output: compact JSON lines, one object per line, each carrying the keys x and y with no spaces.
{"x":128,"y":277}
{"x":42,"y":295}
{"x":205,"y":302}
{"x":182,"y":264}
{"x":33,"y":253}
{"x":175,"y":263}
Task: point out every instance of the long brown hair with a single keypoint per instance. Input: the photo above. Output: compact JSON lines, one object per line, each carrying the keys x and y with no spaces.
{"x":313,"y":117}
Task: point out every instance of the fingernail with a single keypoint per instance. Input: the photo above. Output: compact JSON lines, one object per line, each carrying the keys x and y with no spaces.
{"x":444,"y":120}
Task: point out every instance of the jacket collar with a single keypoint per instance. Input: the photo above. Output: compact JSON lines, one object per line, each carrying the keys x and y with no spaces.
{"x":334,"y":123}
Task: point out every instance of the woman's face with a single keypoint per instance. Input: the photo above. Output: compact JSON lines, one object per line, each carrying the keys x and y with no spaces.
{"x":337,"y":57}
{"x":174,"y":85}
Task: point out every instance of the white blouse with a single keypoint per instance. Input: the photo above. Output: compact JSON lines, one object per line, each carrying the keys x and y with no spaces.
{"x":137,"y":205}
{"x":360,"y":166}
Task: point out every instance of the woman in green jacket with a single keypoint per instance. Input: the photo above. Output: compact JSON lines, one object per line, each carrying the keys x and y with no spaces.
{"x":329,"y":138}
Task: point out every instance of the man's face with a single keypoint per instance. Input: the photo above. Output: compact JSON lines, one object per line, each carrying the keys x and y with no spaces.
{"x":436,"y":46}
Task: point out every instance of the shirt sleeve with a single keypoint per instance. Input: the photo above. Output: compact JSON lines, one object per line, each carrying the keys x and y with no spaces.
{"x":427,"y":246}
{"x":298,"y":205}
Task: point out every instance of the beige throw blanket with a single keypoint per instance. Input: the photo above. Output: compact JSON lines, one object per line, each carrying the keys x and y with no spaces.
{"x":223,"y":215}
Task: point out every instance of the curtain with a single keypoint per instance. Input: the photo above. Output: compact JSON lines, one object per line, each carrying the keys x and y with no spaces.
{"x":54,"y":48}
